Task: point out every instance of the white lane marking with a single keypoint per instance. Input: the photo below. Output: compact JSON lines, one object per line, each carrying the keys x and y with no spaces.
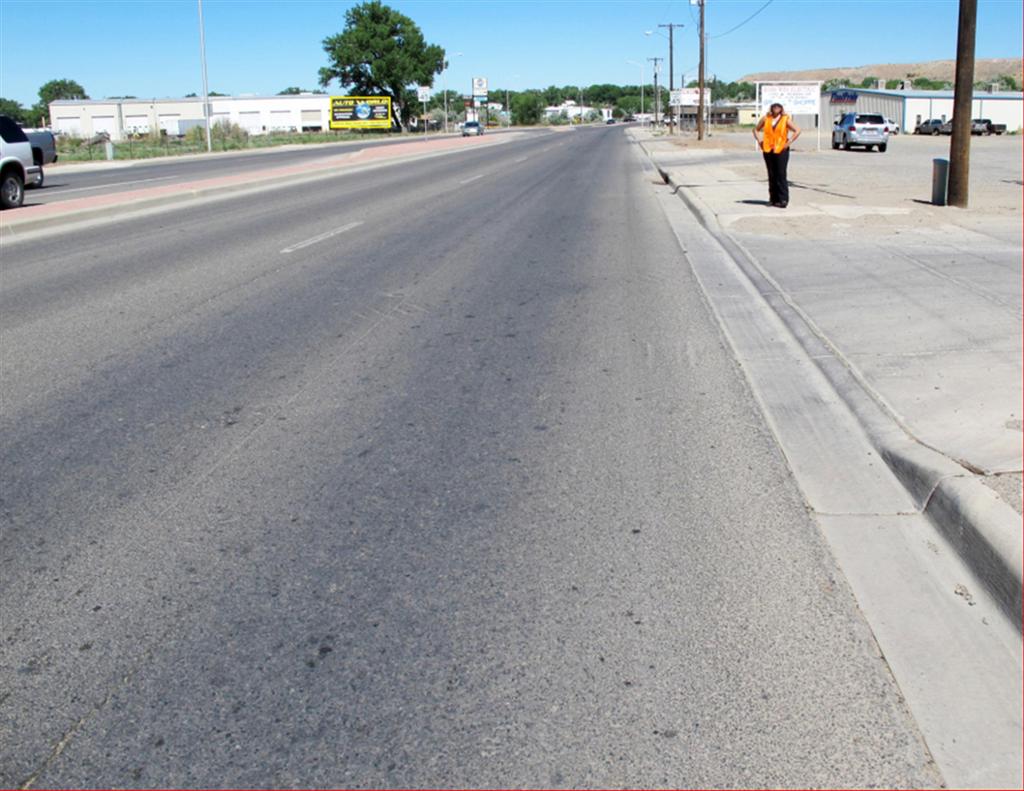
{"x":321,"y":237}
{"x":521,"y":159}
{"x":54,"y":190}
{"x":472,"y":178}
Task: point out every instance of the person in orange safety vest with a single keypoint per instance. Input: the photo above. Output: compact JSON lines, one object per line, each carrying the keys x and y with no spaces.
{"x":774,"y":143}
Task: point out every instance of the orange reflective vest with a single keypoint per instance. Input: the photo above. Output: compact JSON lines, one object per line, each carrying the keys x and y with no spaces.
{"x":775,"y":138}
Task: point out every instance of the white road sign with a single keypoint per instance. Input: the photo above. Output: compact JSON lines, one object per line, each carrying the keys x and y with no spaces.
{"x":423,"y":92}
{"x":479,"y":86}
{"x":795,"y":98}
{"x":689,"y":97}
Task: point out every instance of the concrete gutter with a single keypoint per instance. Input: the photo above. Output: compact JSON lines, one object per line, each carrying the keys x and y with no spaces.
{"x":981,"y":527}
{"x":61,"y":215}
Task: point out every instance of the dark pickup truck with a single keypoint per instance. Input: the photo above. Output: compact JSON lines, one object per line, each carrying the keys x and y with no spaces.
{"x":984,"y":126}
{"x":44,"y":150}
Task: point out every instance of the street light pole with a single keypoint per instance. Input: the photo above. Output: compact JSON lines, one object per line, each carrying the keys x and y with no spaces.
{"x":206,"y":87}
{"x":671,"y":76}
{"x":641,"y":65}
{"x":700,"y":78}
{"x":444,"y":85}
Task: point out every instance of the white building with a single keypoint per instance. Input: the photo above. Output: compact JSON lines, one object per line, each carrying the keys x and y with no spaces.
{"x":120,"y":118}
{"x":573,"y":110}
{"x":908,"y":108}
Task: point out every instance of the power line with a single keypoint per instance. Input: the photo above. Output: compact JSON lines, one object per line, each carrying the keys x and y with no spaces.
{"x":741,"y":24}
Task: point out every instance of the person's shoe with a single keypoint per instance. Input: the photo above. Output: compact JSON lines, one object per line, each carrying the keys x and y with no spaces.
{"x":782,"y":205}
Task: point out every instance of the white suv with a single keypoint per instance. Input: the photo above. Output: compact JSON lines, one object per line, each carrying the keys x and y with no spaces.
{"x":17,"y":167}
{"x":861,"y":129}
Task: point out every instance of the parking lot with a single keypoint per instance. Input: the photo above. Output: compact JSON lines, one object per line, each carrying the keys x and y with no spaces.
{"x":900,"y":178}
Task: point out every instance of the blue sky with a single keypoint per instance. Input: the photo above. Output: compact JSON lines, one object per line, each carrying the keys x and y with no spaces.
{"x":151,"y":47}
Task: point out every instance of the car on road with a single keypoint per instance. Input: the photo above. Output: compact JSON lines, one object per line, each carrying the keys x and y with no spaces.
{"x":930,"y":127}
{"x":472,"y":128}
{"x":17,"y":168}
{"x":861,"y":129}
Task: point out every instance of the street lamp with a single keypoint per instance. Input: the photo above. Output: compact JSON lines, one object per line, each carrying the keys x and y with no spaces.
{"x":444,"y":83}
{"x":206,"y":89}
{"x":634,"y":63}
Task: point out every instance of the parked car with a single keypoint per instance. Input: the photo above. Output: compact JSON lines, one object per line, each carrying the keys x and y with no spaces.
{"x":861,"y":129}
{"x":894,"y":128}
{"x":947,"y":127}
{"x":930,"y":127}
{"x":984,"y":126}
{"x":44,"y":150}
{"x":610,"y":121}
{"x":472,"y":128}
{"x":16,"y":166}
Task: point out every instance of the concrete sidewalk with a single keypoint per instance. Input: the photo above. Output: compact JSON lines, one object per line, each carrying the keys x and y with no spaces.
{"x":920,"y":305}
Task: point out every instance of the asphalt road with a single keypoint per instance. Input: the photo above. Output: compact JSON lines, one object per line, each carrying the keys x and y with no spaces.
{"x":64,"y":182}
{"x":439,"y":475}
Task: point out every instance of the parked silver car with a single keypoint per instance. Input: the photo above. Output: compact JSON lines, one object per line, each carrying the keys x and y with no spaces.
{"x":861,"y":129}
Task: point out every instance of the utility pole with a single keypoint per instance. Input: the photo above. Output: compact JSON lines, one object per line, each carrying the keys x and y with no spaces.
{"x":700,"y":78}
{"x":671,"y":77}
{"x":657,"y":95}
{"x":963,"y":99}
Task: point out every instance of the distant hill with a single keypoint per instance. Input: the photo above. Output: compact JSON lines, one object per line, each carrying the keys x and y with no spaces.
{"x":984,"y":70}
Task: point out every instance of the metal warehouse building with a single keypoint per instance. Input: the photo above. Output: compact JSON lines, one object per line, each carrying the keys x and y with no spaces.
{"x":908,"y":108}
{"x":121,"y":118}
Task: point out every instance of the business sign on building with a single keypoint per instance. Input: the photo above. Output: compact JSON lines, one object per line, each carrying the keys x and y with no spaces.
{"x":360,"y":112}
{"x":796,"y":98}
{"x":480,"y":86}
{"x":689,"y":97}
{"x":843,"y":97}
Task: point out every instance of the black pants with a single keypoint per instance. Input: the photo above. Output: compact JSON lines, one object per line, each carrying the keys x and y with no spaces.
{"x":778,"y":187}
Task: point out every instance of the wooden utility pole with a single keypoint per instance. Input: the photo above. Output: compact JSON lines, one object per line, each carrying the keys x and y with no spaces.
{"x":700,"y":78}
{"x":657,"y":93}
{"x":671,"y":77}
{"x":963,"y":100}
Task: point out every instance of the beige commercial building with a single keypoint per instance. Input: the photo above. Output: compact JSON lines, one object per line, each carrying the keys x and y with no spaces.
{"x":123,"y":118}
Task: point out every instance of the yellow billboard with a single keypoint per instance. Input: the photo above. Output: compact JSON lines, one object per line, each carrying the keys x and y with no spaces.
{"x":360,"y":112}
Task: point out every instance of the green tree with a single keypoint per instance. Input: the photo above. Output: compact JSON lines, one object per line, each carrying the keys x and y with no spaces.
{"x":13,"y":109}
{"x":552,"y":96}
{"x":527,"y":108}
{"x":53,"y":91}
{"x":381,"y":51}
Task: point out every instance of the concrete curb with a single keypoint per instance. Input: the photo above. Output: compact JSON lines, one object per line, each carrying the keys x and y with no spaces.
{"x":981,"y":527}
{"x":16,"y":228}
